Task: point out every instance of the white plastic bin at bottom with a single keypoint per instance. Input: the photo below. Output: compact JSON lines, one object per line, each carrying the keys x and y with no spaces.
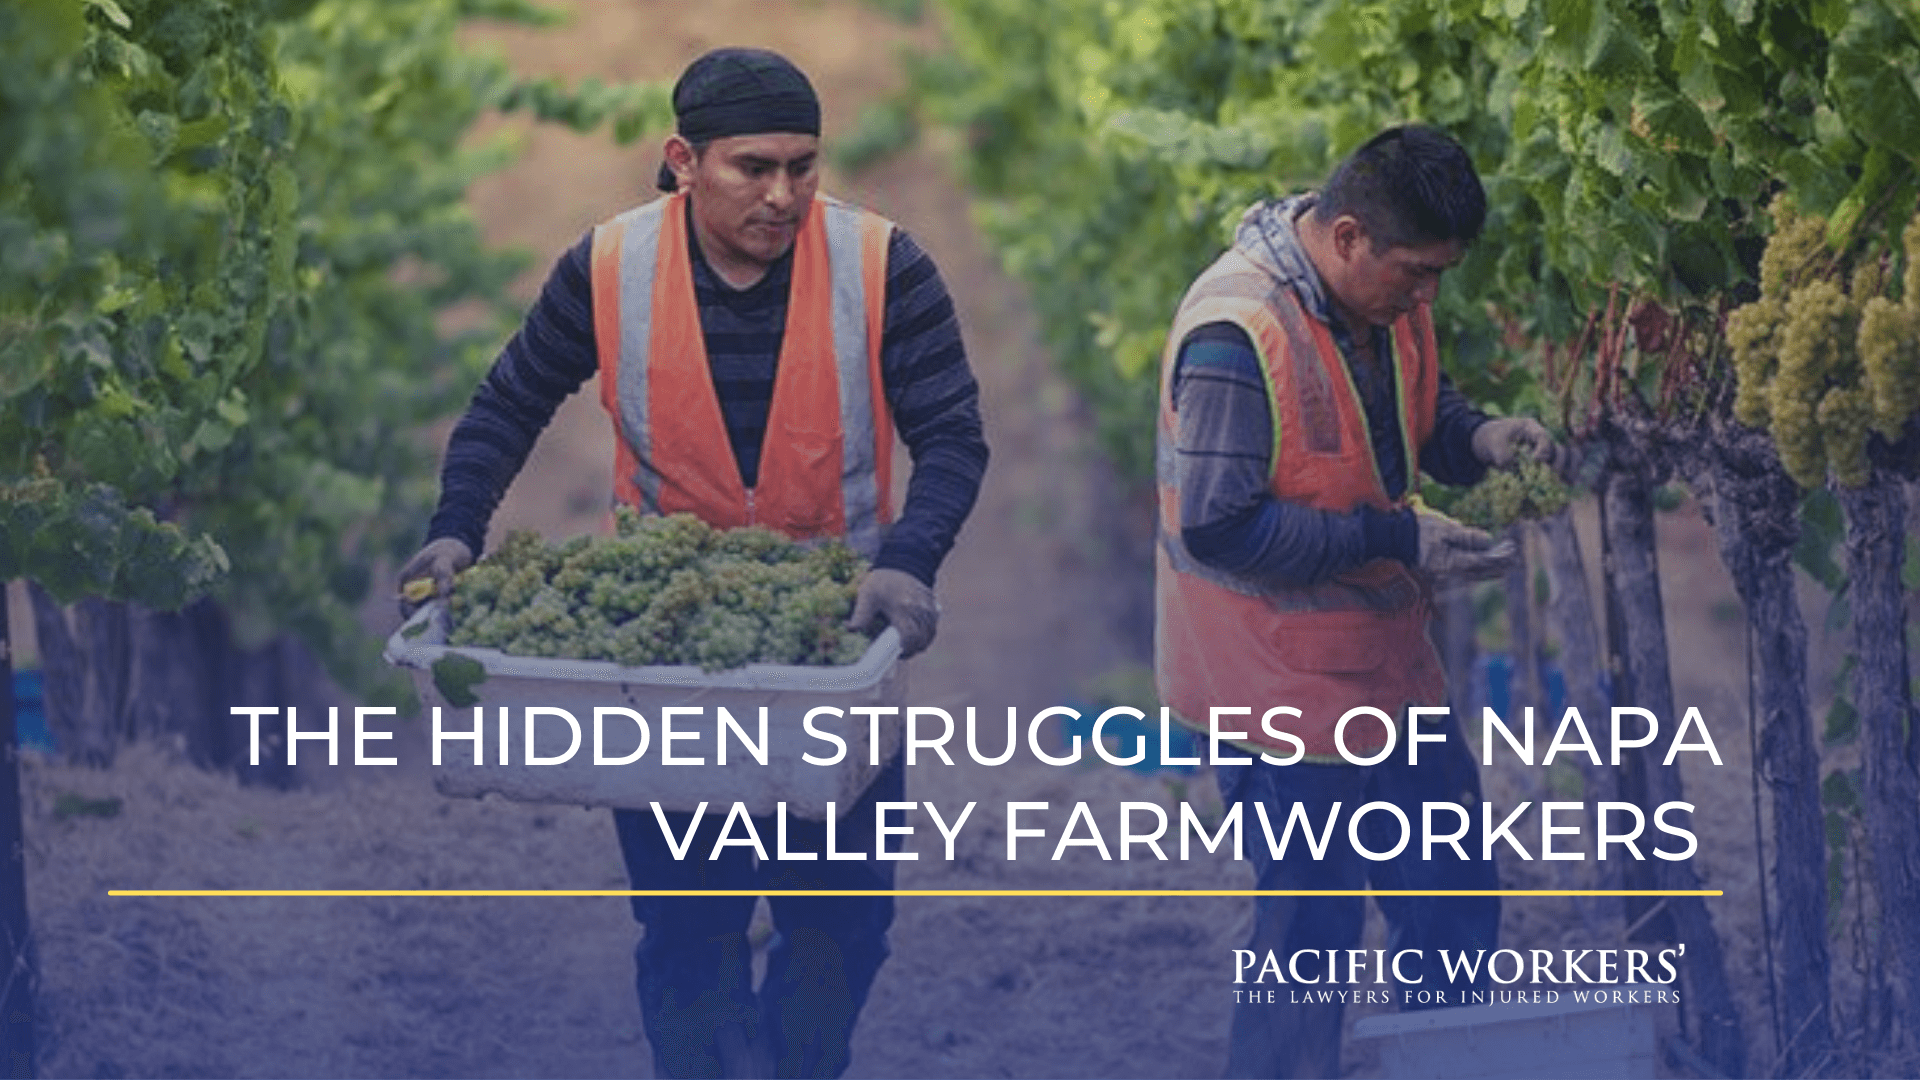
{"x":516,"y":683}
{"x":1567,"y":1039}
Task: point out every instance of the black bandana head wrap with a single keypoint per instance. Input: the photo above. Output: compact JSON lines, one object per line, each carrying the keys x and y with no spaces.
{"x":741,"y":92}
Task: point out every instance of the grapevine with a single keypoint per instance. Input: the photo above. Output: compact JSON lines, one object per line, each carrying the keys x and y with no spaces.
{"x":1824,"y":365}
{"x":1628,"y":150}
{"x":1890,"y":353}
{"x":233,"y":228}
{"x":663,"y":590}
{"x":1528,"y":490}
{"x":1890,"y":344}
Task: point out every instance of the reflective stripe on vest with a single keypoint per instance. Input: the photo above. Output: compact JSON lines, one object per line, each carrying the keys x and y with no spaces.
{"x":1358,"y":639}
{"x":826,"y":461}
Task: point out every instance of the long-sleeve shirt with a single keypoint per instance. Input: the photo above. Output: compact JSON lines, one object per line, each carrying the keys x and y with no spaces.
{"x":929,"y":387}
{"x":1228,"y":515}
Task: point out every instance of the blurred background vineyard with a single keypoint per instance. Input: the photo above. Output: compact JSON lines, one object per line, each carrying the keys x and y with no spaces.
{"x":259,"y":251}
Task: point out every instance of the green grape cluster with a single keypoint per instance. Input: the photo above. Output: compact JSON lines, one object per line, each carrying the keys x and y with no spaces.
{"x":1822,"y":365}
{"x":1529,"y":489}
{"x":1890,"y":343}
{"x":663,"y":590}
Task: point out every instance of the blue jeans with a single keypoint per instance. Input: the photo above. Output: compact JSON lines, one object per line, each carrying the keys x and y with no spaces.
{"x":1304,"y":1040}
{"x":694,"y":965}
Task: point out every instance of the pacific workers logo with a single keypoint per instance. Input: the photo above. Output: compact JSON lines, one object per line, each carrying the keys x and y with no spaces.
{"x":1537,"y":977}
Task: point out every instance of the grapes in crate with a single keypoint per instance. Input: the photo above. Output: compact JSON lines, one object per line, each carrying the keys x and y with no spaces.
{"x":663,"y":590}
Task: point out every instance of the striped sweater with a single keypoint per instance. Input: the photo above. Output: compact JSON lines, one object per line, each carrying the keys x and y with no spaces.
{"x":929,"y":387}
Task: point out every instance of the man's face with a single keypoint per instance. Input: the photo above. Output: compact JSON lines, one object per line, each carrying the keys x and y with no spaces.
{"x":750,"y":193}
{"x":1380,"y":286}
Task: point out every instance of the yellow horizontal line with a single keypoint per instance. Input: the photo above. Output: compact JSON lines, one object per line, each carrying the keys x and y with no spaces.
{"x":438,"y":893}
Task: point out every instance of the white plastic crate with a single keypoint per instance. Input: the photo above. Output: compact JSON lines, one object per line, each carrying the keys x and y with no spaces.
{"x":1567,"y":1039}
{"x":579,"y":686}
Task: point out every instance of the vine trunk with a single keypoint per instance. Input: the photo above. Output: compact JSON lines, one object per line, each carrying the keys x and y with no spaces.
{"x":119,"y":671}
{"x":1757,"y":523}
{"x":1637,"y":640}
{"x":1876,"y":532}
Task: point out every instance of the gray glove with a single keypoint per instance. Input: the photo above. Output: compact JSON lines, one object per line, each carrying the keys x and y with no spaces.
{"x":1500,"y":443}
{"x":1455,"y":552}
{"x":896,"y":598}
{"x":429,"y":574}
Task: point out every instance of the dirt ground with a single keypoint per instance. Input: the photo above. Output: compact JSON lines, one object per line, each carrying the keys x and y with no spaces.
{"x":1045,"y":591}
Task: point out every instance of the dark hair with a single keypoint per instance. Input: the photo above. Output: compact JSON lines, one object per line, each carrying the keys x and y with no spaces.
{"x":1409,"y":186}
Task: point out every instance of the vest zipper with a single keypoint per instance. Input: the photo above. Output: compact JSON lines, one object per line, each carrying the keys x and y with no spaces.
{"x":750,"y":520}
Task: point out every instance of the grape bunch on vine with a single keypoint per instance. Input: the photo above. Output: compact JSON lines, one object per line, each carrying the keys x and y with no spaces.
{"x":1827,"y":356}
{"x":1528,"y":491}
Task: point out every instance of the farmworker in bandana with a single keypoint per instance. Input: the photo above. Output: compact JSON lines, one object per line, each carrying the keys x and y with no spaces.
{"x":758,"y":346}
{"x":1301,"y":393}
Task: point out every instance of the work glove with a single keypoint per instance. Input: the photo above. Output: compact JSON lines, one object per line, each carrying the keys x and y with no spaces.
{"x":429,"y":574}
{"x":1450,"y":551}
{"x":896,"y":598}
{"x":1500,"y":442}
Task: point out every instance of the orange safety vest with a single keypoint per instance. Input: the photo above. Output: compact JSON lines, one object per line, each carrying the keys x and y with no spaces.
{"x":1358,"y":639}
{"x":825,"y":465}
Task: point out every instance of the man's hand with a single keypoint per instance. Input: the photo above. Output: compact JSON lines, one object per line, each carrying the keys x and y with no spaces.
{"x":1454,"y":552}
{"x":896,"y":598}
{"x":1499,"y":443}
{"x":429,"y":574}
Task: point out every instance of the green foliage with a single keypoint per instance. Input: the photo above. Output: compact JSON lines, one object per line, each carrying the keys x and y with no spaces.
{"x":1131,"y":685}
{"x":882,"y":129}
{"x":906,"y":11}
{"x":455,"y":676}
{"x":1822,"y":529}
{"x":1116,"y":144}
{"x":106,"y":548}
{"x":1626,"y":147}
{"x":229,"y":233}
{"x":1669,"y":497}
{"x":1843,"y":819}
{"x":630,"y":109}
{"x":663,"y":590}
{"x":1842,"y":727}
{"x":68,"y":805}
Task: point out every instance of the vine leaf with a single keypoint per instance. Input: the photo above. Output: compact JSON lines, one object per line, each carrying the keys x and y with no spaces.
{"x":1871,"y":93}
{"x":114,"y":13}
{"x":1673,"y":122}
{"x":455,"y":675}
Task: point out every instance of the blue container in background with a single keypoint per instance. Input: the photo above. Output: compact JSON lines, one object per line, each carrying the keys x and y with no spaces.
{"x":1495,"y":674}
{"x":30,"y":712}
{"x":1126,"y":731}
